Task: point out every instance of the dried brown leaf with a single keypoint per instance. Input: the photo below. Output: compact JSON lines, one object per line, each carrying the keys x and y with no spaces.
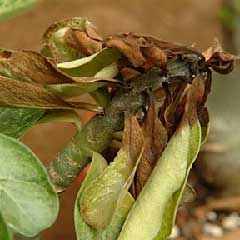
{"x":31,"y":67}
{"x":129,"y":73}
{"x":22,"y":94}
{"x":128,"y":47}
{"x":156,"y":137}
{"x":85,"y":44}
{"x":219,"y":60}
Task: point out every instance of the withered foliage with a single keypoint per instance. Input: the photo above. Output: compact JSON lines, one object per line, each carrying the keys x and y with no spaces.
{"x":180,"y":96}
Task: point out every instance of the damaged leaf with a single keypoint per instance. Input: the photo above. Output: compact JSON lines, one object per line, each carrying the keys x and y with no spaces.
{"x":28,"y":95}
{"x":103,"y":195}
{"x":219,"y":60}
{"x":83,"y":230}
{"x":155,"y":208}
{"x":155,"y":137}
{"x":71,"y":39}
{"x":30,"y":67}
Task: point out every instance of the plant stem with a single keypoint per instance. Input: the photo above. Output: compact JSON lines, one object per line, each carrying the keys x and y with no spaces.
{"x":96,"y":135}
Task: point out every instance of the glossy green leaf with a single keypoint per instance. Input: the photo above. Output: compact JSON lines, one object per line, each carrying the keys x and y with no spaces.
{"x":84,"y":231}
{"x":155,"y":209}
{"x":92,"y":65}
{"x":14,"y":122}
{"x":10,"y":8}
{"x":28,"y":201}
{"x":101,"y":198}
{"x":4,"y":231}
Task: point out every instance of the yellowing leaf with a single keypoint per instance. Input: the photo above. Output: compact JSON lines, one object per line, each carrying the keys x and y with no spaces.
{"x":155,"y":208}
{"x":101,"y":198}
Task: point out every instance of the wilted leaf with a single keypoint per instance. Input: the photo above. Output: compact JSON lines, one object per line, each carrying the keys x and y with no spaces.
{"x":101,"y":198}
{"x":23,"y":94}
{"x":220,"y":61}
{"x":155,"y":208}
{"x":10,"y":8}
{"x":28,"y":201}
{"x":83,"y":230}
{"x":90,"y":66}
{"x":155,"y":137}
{"x":146,"y":51}
{"x":4,"y":231}
{"x":14,"y":122}
{"x":71,"y":39}
{"x":31,"y":67}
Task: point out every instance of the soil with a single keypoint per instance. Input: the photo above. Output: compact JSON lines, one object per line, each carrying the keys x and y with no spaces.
{"x":185,"y":21}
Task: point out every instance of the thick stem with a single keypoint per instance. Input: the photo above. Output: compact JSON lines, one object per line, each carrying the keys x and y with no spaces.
{"x":96,"y":135}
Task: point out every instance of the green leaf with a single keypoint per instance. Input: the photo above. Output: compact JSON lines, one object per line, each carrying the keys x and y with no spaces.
{"x":10,"y":8}
{"x":28,"y":201}
{"x":76,"y":89}
{"x":101,"y":198}
{"x":84,"y":231}
{"x":14,"y":122}
{"x":4,"y":231}
{"x":155,"y":209}
{"x":92,"y":65}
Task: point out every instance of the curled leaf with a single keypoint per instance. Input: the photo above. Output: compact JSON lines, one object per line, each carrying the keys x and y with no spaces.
{"x":83,"y":230}
{"x":90,"y":66}
{"x":81,"y":86}
{"x":155,"y":208}
{"x":71,"y":39}
{"x":101,"y":198}
{"x":220,"y":61}
{"x":30,"y":67}
{"x":155,"y":137}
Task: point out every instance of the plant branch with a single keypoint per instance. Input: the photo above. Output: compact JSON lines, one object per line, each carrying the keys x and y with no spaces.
{"x":96,"y":135}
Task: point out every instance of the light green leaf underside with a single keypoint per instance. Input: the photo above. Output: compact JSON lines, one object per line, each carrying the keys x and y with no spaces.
{"x":84,"y":231}
{"x":4,"y":231}
{"x":14,"y":122}
{"x":155,"y":209}
{"x":77,"y":89}
{"x":10,"y":8}
{"x":90,"y":66}
{"x":28,"y":201}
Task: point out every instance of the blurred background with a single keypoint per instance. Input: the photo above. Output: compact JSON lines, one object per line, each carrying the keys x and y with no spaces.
{"x":184,"y":21}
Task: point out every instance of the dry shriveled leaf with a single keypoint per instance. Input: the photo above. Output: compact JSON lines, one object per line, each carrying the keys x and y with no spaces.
{"x":147,"y":51}
{"x":31,"y":67}
{"x":29,"y":95}
{"x":23,"y":94}
{"x":219,"y":60}
{"x":156,"y":137}
{"x":71,"y":39}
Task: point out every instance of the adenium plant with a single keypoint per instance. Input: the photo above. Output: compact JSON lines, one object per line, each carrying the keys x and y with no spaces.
{"x":149,"y":97}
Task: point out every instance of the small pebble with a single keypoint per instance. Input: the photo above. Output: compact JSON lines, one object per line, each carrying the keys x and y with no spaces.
{"x":212,"y":216}
{"x":175,"y":232}
{"x":231,"y":222}
{"x":213,"y":230}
